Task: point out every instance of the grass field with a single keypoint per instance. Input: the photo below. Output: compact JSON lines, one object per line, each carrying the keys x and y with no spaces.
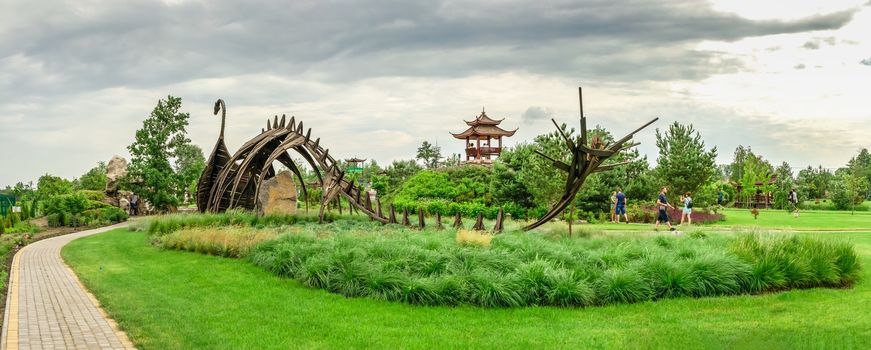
{"x":171,"y":299}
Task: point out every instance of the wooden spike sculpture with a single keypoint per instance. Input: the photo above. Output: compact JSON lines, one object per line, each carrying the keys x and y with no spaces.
{"x":405,"y":221}
{"x":392,"y":219}
{"x":500,"y":219}
{"x":586,"y":158}
{"x":421,"y":222}
{"x":479,"y":223}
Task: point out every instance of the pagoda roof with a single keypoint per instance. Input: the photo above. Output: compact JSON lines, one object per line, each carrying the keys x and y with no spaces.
{"x":483,"y":119}
{"x":355,"y":160}
{"x":484,"y":131}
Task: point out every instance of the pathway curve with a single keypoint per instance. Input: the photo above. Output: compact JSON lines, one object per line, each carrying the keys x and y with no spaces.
{"x":48,"y":308}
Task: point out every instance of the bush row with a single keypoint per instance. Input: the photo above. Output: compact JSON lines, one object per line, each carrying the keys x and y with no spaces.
{"x":91,"y":217}
{"x":527,"y":269}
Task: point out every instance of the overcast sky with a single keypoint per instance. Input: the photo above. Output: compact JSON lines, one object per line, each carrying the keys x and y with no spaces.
{"x":374,"y":79}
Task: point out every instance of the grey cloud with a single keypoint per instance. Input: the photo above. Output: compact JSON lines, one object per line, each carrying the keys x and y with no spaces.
{"x":146,"y":44}
{"x":866,"y":61}
{"x":799,"y":66}
{"x":536,"y":113}
{"x":814,"y":44}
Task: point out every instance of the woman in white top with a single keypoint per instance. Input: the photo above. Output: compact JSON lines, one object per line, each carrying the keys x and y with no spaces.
{"x":687,"y":208}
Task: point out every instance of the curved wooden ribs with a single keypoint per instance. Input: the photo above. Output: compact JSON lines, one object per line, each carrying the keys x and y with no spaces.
{"x":235,"y":181}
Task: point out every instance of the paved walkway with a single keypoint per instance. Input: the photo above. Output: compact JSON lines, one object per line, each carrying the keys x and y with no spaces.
{"x":48,"y":308}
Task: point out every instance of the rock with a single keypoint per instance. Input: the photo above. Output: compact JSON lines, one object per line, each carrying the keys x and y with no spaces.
{"x":115,"y":170}
{"x":278,"y":195}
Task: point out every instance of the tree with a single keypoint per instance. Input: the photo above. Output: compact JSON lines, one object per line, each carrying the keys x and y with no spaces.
{"x":160,"y":139}
{"x":862,"y":164}
{"x":429,"y":154}
{"x":785,"y":184}
{"x":399,"y":171}
{"x":95,"y":179}
{"x":684,"y":164}
{"x":736,"y":169}
{"x":49,"y":185}
{"x":189,"y":165}
{"x":756,"y":170}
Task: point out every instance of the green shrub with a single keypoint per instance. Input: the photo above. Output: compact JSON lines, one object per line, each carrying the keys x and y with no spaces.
{"x":56,"y":219}
{"x":97,"y":196}
{"x":66,"y":203}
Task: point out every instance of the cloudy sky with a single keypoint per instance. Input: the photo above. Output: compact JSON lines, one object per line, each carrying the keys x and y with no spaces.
{"x":374,"y":79}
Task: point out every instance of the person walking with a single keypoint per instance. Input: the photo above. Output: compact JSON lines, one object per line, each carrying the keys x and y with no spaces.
{"x":662,"y":204}
{"x":720,"y":198}
{"x":687,"y":209}
{"x":134,"y":204}
{"x":613,"y":207}
{"x":621,"y":206}
{"x":793,"y":202}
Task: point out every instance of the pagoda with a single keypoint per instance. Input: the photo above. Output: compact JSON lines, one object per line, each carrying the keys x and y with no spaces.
{"x":483,"y":131}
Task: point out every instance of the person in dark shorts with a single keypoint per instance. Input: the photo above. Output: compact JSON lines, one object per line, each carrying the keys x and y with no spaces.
{"x":620,"y":209}
{"x":662,"y":204}
{"x":134,"y":204}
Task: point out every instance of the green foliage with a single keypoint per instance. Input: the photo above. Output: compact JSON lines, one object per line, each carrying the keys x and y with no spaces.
{"x":429,"y":154}
{"x":67,"y":203}
{"x":94,"y":180}
{"x":49,"y":185}
{"x":398,"y":172}
{"x":778,"y":263}
{"x":162,"y":137}
{"x":189,"y":165}
{"x":684,"y":164}
{"x":814,"y":182}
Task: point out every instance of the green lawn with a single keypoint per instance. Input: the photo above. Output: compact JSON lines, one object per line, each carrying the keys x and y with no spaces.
{"x":173,"y":300}
{"x":808,"y":220}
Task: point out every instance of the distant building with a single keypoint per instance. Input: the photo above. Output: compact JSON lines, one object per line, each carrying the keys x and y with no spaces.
{"x":479,"y":138}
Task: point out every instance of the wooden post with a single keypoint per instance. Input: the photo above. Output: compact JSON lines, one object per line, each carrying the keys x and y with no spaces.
{"x":458,"y":220}
{"x":421,"y":223}
{"x":405,"y":221}
{"x":392,"y":219}
{"x":498,"y":227}
{"x":479,"y":223}
{"x":378,"y":204}
{"x":478,"y":156}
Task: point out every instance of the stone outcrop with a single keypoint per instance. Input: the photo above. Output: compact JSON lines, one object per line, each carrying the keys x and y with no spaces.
{"x":115,"y":170}
{"x":278,"y":195}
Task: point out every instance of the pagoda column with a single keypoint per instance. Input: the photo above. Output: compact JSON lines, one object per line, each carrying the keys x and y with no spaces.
{"x":478,"y":157}
{"x":466,"y":148}
{"x":500,"y":145}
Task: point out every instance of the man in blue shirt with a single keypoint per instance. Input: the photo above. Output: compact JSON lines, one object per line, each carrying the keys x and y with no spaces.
{"x":662,"y":204}
{"x":621,"y":206}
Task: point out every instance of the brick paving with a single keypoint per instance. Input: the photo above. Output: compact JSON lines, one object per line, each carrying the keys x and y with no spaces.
{"x":47,"y":307}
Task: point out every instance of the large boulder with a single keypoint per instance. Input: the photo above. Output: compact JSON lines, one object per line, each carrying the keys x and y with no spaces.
{"x":115,"y":170}
{"x":278,"y":195}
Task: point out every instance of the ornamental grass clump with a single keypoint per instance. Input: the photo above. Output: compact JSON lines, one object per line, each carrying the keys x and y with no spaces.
{"x":221,"y":241}
{"x":430,"y":267}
